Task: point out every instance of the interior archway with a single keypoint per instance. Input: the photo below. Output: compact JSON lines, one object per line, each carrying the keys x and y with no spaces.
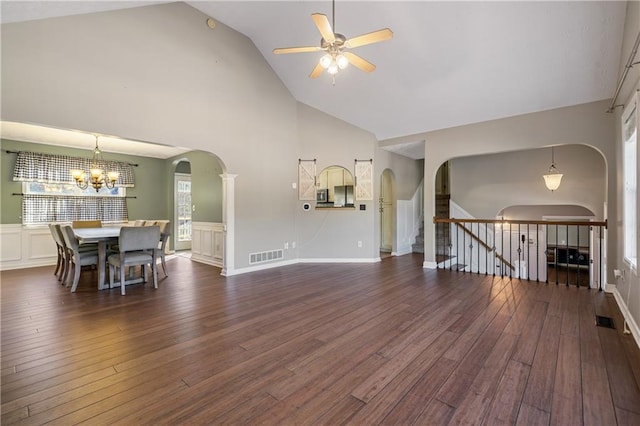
{"x":214,"y":202}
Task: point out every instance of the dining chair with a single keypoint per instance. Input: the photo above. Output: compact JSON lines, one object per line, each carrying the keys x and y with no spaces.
{"x":86,"y":224}
{"x":77,"y":258}
{"x":61,"y":249}
{"x":165,"y":233}
{"x":138,"y":245}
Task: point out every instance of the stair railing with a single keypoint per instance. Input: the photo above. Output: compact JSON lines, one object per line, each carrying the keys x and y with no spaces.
{"x":567,"y":252}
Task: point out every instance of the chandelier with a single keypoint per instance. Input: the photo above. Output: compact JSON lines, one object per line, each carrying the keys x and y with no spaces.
{"x":553,"y":178}
{"x":97,"y":176}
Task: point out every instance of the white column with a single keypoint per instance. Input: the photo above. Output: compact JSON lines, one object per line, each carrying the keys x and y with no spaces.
{"x":430,"y":171}
{"x":228,"y":219}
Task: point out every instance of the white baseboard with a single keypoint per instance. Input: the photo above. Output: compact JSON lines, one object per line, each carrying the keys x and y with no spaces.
{"x":631,"y":323}
{"x":206,"y":260}
{"x":262,"y":267}
{"x":229,"y":273}
{"x":339,"y":260}
{"x":8,"y":266}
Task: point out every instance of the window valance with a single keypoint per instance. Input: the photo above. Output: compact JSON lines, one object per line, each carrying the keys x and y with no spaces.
{"x":50,"y":168}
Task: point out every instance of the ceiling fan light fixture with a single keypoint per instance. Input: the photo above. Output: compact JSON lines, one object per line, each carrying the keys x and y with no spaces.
{"x":333,"y":68}
{"x":342,"y":61}
{"x":336,"y":47}
{"x":325,"y":61}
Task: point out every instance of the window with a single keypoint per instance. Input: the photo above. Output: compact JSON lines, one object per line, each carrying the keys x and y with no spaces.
{"x":51,"y":195}
{"x":58,"y":189}
{"x":630,"y":170}
{"x":59,"y":202}
{"x":183,"y":209}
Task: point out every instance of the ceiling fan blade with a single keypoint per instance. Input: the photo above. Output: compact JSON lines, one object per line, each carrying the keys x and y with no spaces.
{"x":358,"y":62}
{"x":374,"y":37}
{"x":301,"y":49}
{"x":316,"y":71}
{"x":322,"y":22}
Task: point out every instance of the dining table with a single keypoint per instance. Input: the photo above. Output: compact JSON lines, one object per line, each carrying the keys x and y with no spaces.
{"x":103,"y":236}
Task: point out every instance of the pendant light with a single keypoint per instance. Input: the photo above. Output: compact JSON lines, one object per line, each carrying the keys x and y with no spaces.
{"x":553,"y":178}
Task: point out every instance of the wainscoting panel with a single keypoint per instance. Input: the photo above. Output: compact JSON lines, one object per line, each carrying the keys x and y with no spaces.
{"x":26,"y":247}
{"x":207,"y":243}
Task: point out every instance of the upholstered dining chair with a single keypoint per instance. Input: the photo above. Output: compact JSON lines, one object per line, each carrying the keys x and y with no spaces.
{"x":138,"y":245}
{"x":57,"y":238}
{"x":76,"y":257}
{"x":165,"y":233}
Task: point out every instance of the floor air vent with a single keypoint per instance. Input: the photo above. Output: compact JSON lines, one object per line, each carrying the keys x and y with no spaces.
{"x":604,"y":322}
{"x":266,"y":256}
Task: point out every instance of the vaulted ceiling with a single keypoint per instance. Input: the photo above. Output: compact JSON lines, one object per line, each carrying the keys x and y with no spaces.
{"x":448,"y":64}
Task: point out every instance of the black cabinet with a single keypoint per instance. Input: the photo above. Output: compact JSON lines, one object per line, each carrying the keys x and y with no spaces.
{"x":577,"y":257}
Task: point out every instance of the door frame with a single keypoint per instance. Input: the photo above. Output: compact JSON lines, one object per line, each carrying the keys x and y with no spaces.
{"x":179,"y":245}
{"x":388,"y":220}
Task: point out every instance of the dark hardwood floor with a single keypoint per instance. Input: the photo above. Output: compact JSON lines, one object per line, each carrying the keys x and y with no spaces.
{"x":385,"y":343}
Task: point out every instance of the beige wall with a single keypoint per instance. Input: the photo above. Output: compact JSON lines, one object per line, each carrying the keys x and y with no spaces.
{"x":586,"y":124}
{"x":484,"y":185}
{"x":629,"y":287}
{"x":159,"y":74}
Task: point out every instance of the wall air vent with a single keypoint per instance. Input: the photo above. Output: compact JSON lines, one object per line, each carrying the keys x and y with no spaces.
{"x":266,"y":256}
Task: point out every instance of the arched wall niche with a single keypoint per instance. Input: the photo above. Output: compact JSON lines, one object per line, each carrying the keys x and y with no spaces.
{"x":335,"y":187}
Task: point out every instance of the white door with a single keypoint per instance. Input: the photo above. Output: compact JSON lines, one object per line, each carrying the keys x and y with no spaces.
{"x":183,"y":211}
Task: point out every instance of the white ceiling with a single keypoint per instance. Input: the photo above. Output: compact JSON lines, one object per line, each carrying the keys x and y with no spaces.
{"x":448,"y":64}
{"x":83,"y":140}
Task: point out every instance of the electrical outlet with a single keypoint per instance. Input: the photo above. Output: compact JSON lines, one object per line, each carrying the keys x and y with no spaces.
{"x":359,"y":244}
{"x":293,"y":244}
{"x":294,"y":185}
{"x":286,"y":246}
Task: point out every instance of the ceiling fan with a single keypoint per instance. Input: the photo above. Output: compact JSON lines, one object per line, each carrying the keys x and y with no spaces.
{"x":336,"y":45}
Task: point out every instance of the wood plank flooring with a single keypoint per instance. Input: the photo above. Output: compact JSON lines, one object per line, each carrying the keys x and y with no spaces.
{"x":386,"y":343}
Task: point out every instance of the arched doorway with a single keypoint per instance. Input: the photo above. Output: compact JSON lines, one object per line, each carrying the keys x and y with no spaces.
{"x":203,"y":209}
